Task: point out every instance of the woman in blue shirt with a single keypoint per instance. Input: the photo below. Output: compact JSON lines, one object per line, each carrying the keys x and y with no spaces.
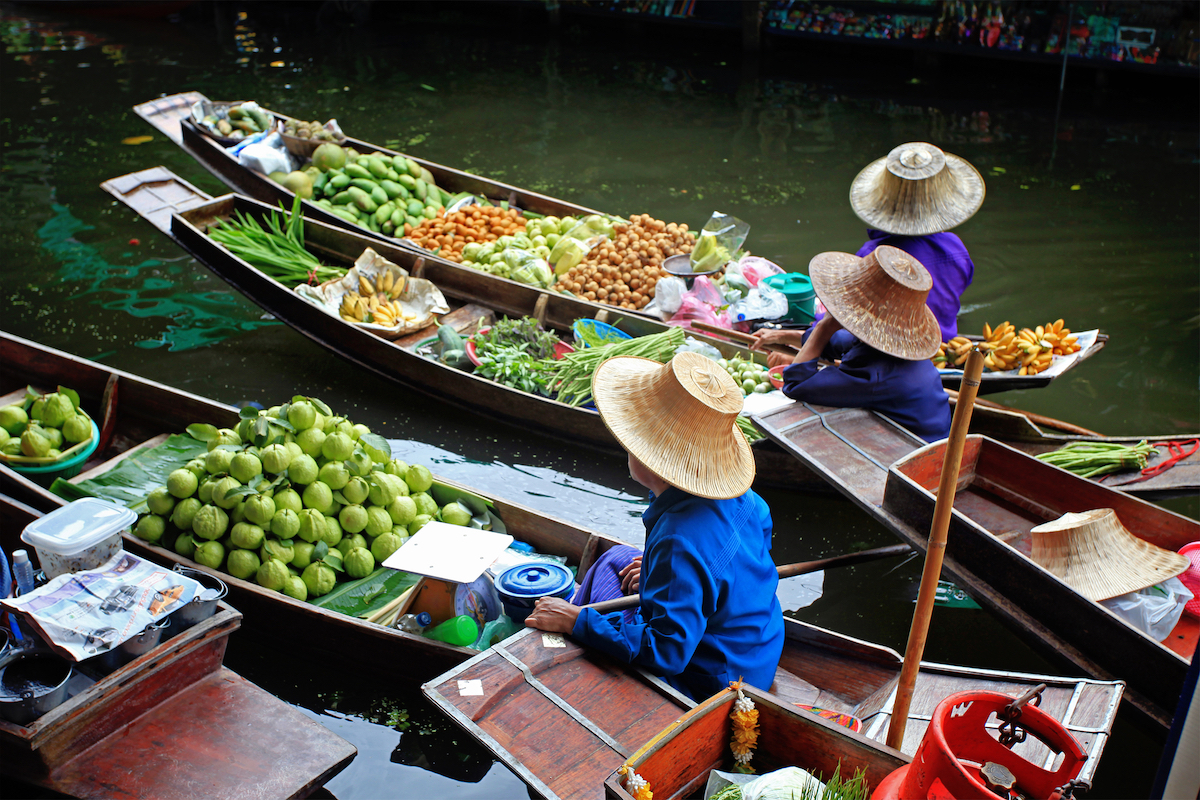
{"x":880,"y":334}
{"x":708,"y":612}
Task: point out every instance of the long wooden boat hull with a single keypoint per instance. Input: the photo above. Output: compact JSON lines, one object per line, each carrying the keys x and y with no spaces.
{"x":146,"y":412}
{"x":174,"y":723}
{"x":172,"y":116}
{"x":158,"y":195}
{"x":563,"y":716}
{"x":1036,"y":606}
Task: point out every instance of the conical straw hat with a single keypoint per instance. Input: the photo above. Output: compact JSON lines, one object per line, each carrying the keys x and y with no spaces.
{"x":679,"y":419}
{"x":1096,"y":556}
{"x":916,"y":190}
{"x":880,"y":298}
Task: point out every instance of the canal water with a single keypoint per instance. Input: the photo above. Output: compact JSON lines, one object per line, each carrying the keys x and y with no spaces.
{"x":1091,"y":215}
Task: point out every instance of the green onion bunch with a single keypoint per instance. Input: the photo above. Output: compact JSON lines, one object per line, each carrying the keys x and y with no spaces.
{"x":278,"y":250}
{"x":571,"y":375}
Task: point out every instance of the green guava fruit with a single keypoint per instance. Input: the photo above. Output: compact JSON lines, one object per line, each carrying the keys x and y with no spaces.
{"x":337,"y":447}
{"x":334,"y":474}
{"x":302,"y":554}
{"x":318,"y":579}
{"x":378,"y":521}
{"x":182,"y":483}
{"x":312,"y":525}
{"x":396,"y":467}
{"x":285,"y":524}
{"x":77,"y":429}
{"x":273,"y":548}
{"x":318,"y":495}
{"x":150,"y":527}
{"x":418,"y":523}
{"x":384,"y":545}
{"x":210,"y":522}
{"x":295,"y":587}
{"x":160,"y":501}
{"x":276,"y":458}
{"x":289,"y":499}
{"x":353,"y":518}
{"x":57,"y":410}
{"x":311,"y":441}
{"x":185,"y":513}
{"x":245,"y":466}
{"x":329,"y":156}
{"x":302,"y":415}
{"x":333,"y":531}
{"x":260,"y":509}
{"x":205,"y":492}
{"x":34,"y":442}
{"x":13,"y":419}
{"x":185,"y":545}
{"x":56,"y":439}
{"x":222,"y":489}
{"x":216,"y":462}
{"x":356,"y":490}
{"x":196,"y":467}
{"x":350,"y":542}
{"x":224,"y":436}
{"x":242,"y":563}
{"x":247,"y":536}
{"x":359,"y":562}
{"x":303,"y":470}
{"x":383,"y":491}
{"x":402,"y":510}
{"x":425,"y":504}
{"x":418,"y":478}
{"x":273,"y":574}
{"x":210,"y":554}
{"x":455,"y":514}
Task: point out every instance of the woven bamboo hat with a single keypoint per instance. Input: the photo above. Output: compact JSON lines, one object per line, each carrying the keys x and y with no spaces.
{"x":880,"y":298}
{"x":1095,"y":555}
{"x":679,"y":419}
{"x":916,"y":190}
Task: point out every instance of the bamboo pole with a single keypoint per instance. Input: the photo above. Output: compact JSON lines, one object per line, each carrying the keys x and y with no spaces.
{"x":785,"y":571}
{"x":936,"y":550}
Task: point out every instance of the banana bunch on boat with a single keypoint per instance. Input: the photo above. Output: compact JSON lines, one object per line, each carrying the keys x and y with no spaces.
{"x":377,"y":304}
{"x":1030,"y":350}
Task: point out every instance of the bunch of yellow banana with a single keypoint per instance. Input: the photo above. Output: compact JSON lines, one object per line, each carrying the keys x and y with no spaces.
{"x":953,"y":353}
{"x":376,"y":304}
{"x":1001,"y":348}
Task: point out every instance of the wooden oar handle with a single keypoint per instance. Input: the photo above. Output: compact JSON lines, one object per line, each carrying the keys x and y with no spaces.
{"x":785,"y":571}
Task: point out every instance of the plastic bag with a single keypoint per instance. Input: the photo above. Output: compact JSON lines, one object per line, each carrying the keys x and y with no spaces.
{"x":719,"y":239}
{"x":762,"y":303}
{"x":1155,"y":610}
{"x":668,"y":294}
{"x":692,"y":345}
{"x":754,"y":269}
{"x":528,"y":268}
{"x":578,"y":242}
{"x":265,"y":156}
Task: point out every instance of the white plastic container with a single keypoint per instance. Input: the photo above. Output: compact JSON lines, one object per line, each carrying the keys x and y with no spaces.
{"x":81,"y":535}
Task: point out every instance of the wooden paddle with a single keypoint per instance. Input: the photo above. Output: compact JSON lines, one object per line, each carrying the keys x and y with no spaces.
{"x":785,"y":571}
{"x":937,"y":547}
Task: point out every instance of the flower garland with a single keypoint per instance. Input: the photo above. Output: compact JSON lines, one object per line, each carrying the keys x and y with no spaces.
{"x":745,"y":730}
{"x":635,"y":784}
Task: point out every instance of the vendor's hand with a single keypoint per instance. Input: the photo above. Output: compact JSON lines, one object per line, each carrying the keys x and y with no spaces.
{"x":775,"y":336}
{"x":828,"y":324}
{"x":631,"y":576}
{"x":775,"y":359}
{"x":553,"y":614}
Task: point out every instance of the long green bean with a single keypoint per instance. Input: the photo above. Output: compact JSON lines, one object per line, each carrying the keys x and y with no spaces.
{"x":1092,"y":459}
{"x":571,"y":376}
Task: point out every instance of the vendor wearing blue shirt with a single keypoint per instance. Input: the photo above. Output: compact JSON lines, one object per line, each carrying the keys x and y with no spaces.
{"x":708,"y":612}
{"x":883,"y":334}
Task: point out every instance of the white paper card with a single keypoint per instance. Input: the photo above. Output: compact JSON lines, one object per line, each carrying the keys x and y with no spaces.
{"x":472,"y":688}
{"x":449,"y":552}
{"x":553,"y":640}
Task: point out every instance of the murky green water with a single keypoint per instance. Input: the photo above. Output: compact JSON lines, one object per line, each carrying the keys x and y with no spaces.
{"x":1094,"y":221}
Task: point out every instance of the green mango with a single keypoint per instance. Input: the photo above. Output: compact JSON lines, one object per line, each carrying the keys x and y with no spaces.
{"x":384,"y":212}
{"x":379,"y":195}
{"x":414,"y":168}
{"x":407,"y":181}
{"x":339,"y":180}
{"x":365,"y":184}
{"x":342,"y":198}
{"x":392,"y":188}
{"x":344,"y":214}
{"x":415,"y":207}
{"x":392,"y":174}
{"x":358,"y":171}
{"x":430,"y":212}
{"x":377,"y":167}
{"x":398,"y":218}
{"x":387,"y":227}
{"x":362,"y":200}
{"x":421,"y":190}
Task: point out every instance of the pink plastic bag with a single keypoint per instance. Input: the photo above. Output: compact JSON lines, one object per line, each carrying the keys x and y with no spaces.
{"x":754,"y":269}
{"x":701,"y":303}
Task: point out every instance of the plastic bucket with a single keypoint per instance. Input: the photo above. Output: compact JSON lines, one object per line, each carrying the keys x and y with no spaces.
{"x":44,"y":474}
{"x":797,"y":288}
{"x":521,"y":586}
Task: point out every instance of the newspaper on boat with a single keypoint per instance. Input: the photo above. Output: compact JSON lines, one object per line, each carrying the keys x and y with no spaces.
{"x":84,"y":614}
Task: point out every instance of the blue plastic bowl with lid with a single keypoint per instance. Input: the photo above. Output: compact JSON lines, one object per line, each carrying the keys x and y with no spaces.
{"x":521,"y":586}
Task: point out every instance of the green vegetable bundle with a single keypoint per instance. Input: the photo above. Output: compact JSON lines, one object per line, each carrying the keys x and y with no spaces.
{"x":1092,"y":459}
{"x":278,"y":251}
{"x":571,"y":376}
{"x":525,"y":333}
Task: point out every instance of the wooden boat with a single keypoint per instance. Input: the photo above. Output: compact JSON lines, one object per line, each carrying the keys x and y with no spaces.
{"x":174,"y":723}
{"x":172,"y":116}
{"x":1002,"y":494}
{"x":677,"y":761}
{"x":563,"y":716}
{"x":178,"y":208}
{"x":141,"y":413}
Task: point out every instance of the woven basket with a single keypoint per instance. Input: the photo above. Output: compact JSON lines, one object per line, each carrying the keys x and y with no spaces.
{"x":304,"y":148}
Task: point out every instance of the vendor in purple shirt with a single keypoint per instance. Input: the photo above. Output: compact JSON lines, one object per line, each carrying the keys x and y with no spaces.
{"x":881,"y":334}
{"x":910,"y":199}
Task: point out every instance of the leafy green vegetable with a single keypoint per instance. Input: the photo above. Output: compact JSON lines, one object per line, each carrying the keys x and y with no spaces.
{"x":277,"y":250}
{"x":525,"y":333}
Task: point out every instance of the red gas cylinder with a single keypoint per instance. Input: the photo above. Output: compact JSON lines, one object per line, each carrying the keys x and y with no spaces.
{"x":959,"y":759}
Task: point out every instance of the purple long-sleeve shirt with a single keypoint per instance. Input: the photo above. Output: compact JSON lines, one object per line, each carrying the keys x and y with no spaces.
{"x":949,"y":264}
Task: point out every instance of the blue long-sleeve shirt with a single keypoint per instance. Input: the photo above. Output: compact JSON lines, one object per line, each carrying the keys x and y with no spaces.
{"x":709,"y":614}
{"x":910,"y":392}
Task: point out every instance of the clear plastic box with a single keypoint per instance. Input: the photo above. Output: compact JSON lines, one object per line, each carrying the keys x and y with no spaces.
{"x":81,"y":535}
